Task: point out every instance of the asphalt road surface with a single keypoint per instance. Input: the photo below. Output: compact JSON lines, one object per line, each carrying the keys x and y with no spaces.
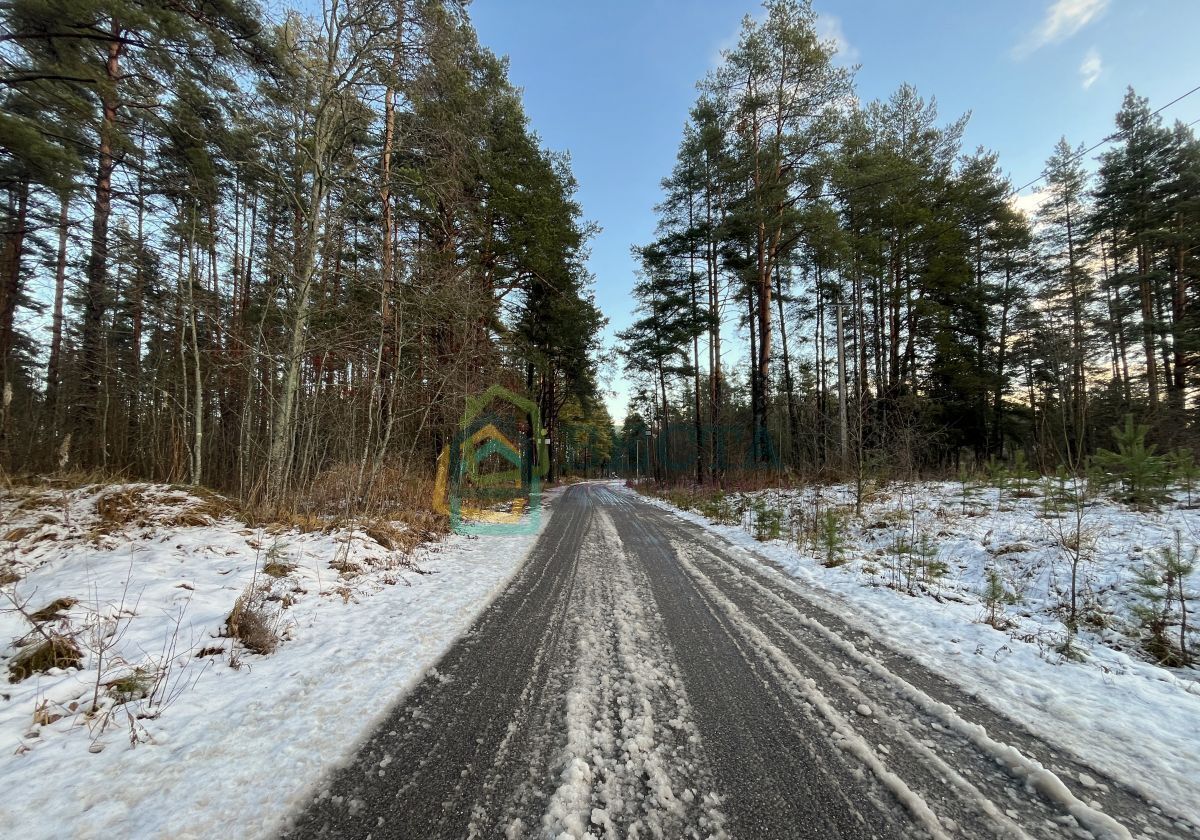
{"x":641,"y":678}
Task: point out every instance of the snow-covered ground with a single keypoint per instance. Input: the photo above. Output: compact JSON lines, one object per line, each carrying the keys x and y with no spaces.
{"x":167,"y":727}
{"x":914,"y":570}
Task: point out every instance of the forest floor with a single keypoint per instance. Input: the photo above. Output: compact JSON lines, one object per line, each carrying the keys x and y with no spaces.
{"x":913,"y":571}
{"x":155,"y":721}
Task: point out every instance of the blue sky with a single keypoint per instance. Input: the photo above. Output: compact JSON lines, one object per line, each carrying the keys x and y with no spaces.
{"x":612,"y":81}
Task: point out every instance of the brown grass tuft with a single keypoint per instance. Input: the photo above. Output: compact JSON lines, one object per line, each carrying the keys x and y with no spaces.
{"x":277,"y":569}
{"x":384,"y":533}
{"x":120,"y":507}
{"x":34,"y":501}
{"x":54,"y":652}
{"x":250,"y":623}
{"x":18,"y":534}
{"x":53,"y":609}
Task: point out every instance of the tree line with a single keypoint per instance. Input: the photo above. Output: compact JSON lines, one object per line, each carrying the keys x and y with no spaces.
{"x":841,"y":286}
{"x":256,"y":252}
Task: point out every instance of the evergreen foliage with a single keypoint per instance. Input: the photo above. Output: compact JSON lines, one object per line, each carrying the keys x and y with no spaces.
{"x":1138,"y":476}
{"x":860,"y":243}
{"x":831,"y":538}
{"x":1163,"y":587}
{"x":289,"y":247}
{"x":995,"y":597}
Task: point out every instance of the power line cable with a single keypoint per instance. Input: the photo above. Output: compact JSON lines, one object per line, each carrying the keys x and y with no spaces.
{"x":1114,"y":136}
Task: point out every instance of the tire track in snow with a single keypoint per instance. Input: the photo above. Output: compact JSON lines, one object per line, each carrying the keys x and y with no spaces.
{"x":461,"y":746}
{"x":560,"y":714}
{"x":635,"y":668}
{"x":781,"y":774}
{"x":935,"y":773}
{"x":632,"y":765}
{"x":987,"y":779}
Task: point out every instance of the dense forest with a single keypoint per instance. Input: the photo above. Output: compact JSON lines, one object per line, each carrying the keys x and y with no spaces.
{"x":838,"y":286}
{"x":274,"y":255}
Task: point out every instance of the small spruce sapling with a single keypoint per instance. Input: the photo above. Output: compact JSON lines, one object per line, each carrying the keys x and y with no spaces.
{"x":832,"y":539}
{"x":1139,"y":476}
{"x":768,"y":521}
{"x":999,"y":477}
{"x":1162,"y":583}
{"x":1186,"y":471}
{"x":1023,"y":478}
{"x":1058,"y":496}
{"x":995,"y":596}
{"x":930,"y":567}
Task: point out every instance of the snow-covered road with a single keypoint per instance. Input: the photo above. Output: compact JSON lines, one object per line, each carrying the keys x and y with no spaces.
{"x":640,"y":679}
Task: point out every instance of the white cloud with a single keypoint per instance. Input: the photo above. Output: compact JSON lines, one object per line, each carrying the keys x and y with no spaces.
{"x":829,"y":28}
{"x":730,"y":41}
{"x":1091,"y":68}
{"x":1029,"y":203}
{"x":1062,"y":20}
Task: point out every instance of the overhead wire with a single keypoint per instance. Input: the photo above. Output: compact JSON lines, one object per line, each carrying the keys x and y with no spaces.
{"x":1116,"y":135}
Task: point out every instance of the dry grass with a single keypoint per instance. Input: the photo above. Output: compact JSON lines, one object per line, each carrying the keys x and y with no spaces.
{"x":205,"y":507}
{"x":53,"y":652}
{"x":18,"y":534}
{"x":121,"y":507}
{"x":384,"y":533}
{"x":278,"y":569}
{"x":251,"y":623}
{"x":275,"y":521}
{"x":53,"y":610}
{"x":35,"y":501}
{"x":345,"y":567}
{"x":396,"y":514}
{"x":142,"y":506}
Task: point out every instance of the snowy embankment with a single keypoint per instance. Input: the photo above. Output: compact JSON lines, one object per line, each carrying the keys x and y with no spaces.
{"x":164,"y":725}
{"x":914,"y":572}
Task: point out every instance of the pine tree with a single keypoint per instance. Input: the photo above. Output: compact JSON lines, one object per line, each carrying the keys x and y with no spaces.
{"x":1066,"y":291}
{"x":781,"y":92}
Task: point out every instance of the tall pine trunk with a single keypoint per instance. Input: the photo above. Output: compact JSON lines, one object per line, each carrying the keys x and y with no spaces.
{"x":54,"y":363}
{"x":89,"y":433}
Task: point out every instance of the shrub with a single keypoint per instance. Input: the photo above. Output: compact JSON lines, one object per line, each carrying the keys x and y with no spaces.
{"x":968,"y":488}
{"x":1060,"y":495}
{"x":995,"y":596}
{"x":1023,"y":478}
{"x":999,"y":477}
{"x":928,"y":567}
{"x":1185,"y":470}
{"x":768,"y":521}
